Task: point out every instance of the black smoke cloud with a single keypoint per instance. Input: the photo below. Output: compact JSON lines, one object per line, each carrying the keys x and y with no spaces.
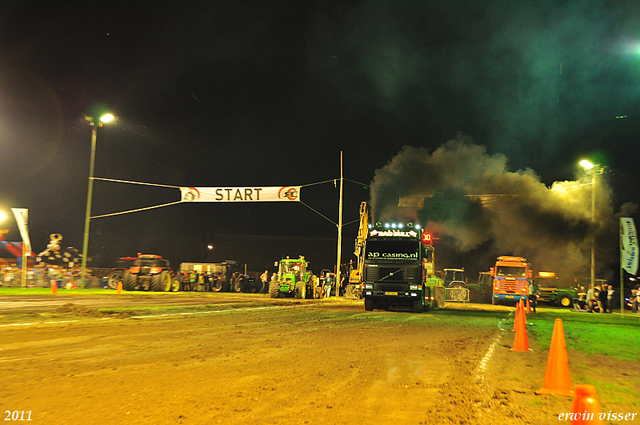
{"x":475,"y":205}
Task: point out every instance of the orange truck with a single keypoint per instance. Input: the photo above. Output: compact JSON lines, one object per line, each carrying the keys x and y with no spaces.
{"x":511,"y":277}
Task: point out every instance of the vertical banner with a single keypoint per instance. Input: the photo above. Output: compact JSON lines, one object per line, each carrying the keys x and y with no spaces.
{"x":628,"y":245}
{"x":22,"y":218}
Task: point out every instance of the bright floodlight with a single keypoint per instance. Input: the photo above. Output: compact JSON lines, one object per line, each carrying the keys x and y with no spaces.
{"x":107,"y":118}
{"x":3,"y":216}
{"x":586,"y":164}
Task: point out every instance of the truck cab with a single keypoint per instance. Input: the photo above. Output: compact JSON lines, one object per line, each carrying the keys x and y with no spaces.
{"x":511,"y":277}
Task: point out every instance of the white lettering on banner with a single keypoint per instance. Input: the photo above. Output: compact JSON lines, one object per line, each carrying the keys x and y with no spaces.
{"x":393,"y":255}
{"x":241,"y":194}
{"x":394,"y":233}
{"x":628,"y":245}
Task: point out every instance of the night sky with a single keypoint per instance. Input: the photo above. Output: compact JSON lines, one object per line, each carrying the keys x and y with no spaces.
{"x":250,"y":93}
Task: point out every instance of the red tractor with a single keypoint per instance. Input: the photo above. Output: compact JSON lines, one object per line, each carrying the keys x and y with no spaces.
{"x":117,"y":274}
{"x":150,"y":273}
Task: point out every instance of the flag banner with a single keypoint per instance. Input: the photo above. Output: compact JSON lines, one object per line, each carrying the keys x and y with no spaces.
{"x":628,"y":245}
{"x":22,"y":218}
{"x":241,"y":194}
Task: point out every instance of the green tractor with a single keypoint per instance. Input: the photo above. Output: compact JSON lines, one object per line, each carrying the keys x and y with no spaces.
{"x":292,"y":278}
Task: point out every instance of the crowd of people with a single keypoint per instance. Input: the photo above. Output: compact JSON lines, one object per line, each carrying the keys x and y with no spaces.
{"x":596,"y":300}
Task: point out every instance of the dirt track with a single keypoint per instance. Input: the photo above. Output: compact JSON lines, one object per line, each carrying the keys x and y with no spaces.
{"x":251,"y":360}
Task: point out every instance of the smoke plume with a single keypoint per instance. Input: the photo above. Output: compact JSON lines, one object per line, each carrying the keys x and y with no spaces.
{"x":475,"y":205}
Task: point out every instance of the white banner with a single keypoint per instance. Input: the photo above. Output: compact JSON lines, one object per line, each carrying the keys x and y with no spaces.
{"x":22,"y":218}
{"x":241,"y":194}
{"x":628,"y":245}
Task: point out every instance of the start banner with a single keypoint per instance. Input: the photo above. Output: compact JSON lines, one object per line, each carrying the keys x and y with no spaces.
{"x":628,"y":245}
{"x":241,"y":194}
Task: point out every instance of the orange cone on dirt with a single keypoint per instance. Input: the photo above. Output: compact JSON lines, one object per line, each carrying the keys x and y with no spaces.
{"x":54,"y":286}
{"x":119,"y":288}
{"x":522,"y":312}
{"x":521,"y":341}
{"x":557,"y":379}
{"x":585,"y":408}
{"x":515,"y":320}
{"x":529,"y":311}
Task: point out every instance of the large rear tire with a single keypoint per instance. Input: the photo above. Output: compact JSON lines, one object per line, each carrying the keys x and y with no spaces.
{"x":129,"y":281}
{"x":368,"y":304}
{"x":161,"y":282}
{"x":237,"y":286}
{"x":301,"y":290}
{"x":274,"y":289}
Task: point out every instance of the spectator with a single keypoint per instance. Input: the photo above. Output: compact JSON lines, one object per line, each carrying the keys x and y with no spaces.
{"x":609,"y":298}
{"x":602,"y":298}
{"x":327,"y":285}
{"x":635,"y":298}
{"x":264,"y":278}
{"x":533,"y":290}
{"x":581,"y":305}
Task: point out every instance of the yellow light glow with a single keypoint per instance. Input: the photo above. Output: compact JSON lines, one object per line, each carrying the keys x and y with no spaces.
{"x":107,"y":118}
{"x":586,"y":164}
{"x":546,"y":274}
{"x":3,"y":216}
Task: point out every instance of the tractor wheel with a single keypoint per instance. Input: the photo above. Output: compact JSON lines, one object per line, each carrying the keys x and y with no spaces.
{"x":237,"y":286}
{"x":274,"y":289}
{"x":301,"y":290}
{"x":368,"y":304}
{"x":161,"y":282}
{"x":175,"y":285}
{"x":565,"y":301}
{"x":114,"y":277}
{"x":218,"y":286}
{"x":129,"y":281}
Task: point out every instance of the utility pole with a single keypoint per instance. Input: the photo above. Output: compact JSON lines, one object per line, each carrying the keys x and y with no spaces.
{"x":339,"y":231}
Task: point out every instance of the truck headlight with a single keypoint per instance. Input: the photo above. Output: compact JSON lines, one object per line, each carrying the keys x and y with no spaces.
{"x":413,"y":294}
{"x":414,"y":287}
{"x":368,"y":286}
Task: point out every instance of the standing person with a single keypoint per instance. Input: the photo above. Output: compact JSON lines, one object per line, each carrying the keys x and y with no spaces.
{"x":590,"y":298}
{"x":193,"y":280}
{"x":264,"y":278}
{"x":635,"y":298}
{"x":327,"y":285}
{"x":609,"y":298}
{"x":602,"y":298}
{"x":184,"y":282}
{"x":533,"y":290}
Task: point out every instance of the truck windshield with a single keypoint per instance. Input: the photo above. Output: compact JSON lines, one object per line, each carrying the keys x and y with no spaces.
{"x":291,"y":268}
{"x":392,"y":250}
{"x":511,"y":271}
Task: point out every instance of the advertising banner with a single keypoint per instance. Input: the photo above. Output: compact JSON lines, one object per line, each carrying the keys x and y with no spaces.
{"x":241,"y":194}
{"x":22,"y":218}
{"x":628,"y":245}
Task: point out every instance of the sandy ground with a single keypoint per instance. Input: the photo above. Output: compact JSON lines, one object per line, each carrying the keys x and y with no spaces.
{"x":247,"y":359}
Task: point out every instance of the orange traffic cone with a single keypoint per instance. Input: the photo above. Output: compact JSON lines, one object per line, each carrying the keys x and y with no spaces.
{"x":54,"y":286}
{"x":516,"y":318}
{"x":521,"y":341}
{"x":557,"y":380}
{"x":119,"y":288}
{"x":523,"y":313}
{"x":529,"y":311}
{"x":585,"y":408}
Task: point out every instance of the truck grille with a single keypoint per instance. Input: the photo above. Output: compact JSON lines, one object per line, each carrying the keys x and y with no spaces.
{"x":392,"y":274}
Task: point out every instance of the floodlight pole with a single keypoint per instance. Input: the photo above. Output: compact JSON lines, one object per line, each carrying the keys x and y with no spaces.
{"x":339,"y":231}
{"x":87,"y":217}
{"x":593,"y":223}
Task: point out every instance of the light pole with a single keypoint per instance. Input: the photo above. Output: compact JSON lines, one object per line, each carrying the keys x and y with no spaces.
{"x":87,"y":218}
{"x":589,"y":166}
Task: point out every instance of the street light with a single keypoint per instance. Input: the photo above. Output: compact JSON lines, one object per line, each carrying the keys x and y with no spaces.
{"x":106,"y":118}
{"x":589,"y":166}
